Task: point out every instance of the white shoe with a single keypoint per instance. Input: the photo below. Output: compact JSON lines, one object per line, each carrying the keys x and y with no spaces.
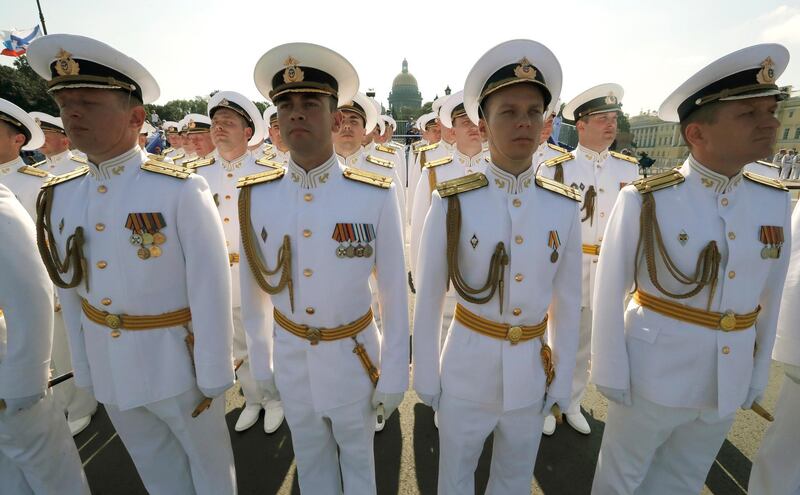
{"x":273,"y":415}
{"x":248,"y":417}
{"x":78,"y":425}
{"x":549,"y":425}
{"x":578,"y":423}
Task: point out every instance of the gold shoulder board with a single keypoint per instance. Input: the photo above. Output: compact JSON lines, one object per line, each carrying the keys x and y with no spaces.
{"x":269,"y":155}
{"x":625,"y":157}
{"x":427,"y":147}
{"x":261,"y":177}
{"x":32,"y":170}
{"x":168,"y":150}
{"x":557,"y":187}
{"x":178,"y":156}
{"x":166,"y":169}
{"x":462,"y":184}
{"x":558,"y":159}
{"x":200,"y":163}
{"x":440,"y":161}
{"x":768,"y":164}
{"x":385,"y":149}
{"x":79,"y":159}
{"x":380,"y":161}
{"x":394,"y":145}
{"x":267,"y":147}
{"x":267,"y":162}
{"x":765,"y":181}
{"x":60,"y":179}
{"x":416,"y":146}
{"x":39,"y":164}
{"x":557,"y":148}
{"x":660,"y":181}
{"x":368,"y":177}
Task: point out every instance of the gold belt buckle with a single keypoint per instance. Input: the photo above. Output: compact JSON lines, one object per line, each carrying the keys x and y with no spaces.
{"x":728,"y":321}
{"x":114,"y":322}
{"x":313,"y":334}
{"x":514,"y":334}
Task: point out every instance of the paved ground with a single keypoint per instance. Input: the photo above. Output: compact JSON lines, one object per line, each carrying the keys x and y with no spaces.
{"x":406,"y":454}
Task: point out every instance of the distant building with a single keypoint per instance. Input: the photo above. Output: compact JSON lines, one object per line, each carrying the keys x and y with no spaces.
{"x":405,"y":100}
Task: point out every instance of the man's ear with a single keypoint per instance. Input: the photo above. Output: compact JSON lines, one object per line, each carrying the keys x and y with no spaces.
{"x":336,"y":121}
{"x":137,"y":118}
{"x":694,"y":134}
{"x":248,"y":133}
{"x":483,"y":127}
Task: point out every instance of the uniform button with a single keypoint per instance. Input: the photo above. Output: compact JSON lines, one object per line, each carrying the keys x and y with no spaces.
{"x":724,"y":201}
{"x":105,"y":301}
{"x":230,"y":175}
{"x":101,"y":264}
{"x":731,"y":235}
{"x":726,"y":350}
{"x":518,"y":239}
{"x":601,"y":190}
{"x":307,"y":272}
{"x":308,"y":197}
{"x":306,"y":233}
{"x":226,"y":219}
{"x":731,"y":274}
{"x":102,"y":189}
{"x":310,"y":310}
{"x":518,"y":277}
{"x":517,"y":312}
{"x":602,"y":214}
{"x":227,"y":196}
{"x":100,"y":227}
{"x":517,"y":202}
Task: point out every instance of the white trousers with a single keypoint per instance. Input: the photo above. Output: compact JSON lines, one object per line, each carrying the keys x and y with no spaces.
{"x":582,"y":362}
{"x":37,"y":453}
{"x":252,"y":393}
{"x":76,"y":401}
{"x":175,"y":453}
{"x":776,"y":470}
{"x":331,"y":442}
{"x":650,"y":449}
{"x":463,"y":428}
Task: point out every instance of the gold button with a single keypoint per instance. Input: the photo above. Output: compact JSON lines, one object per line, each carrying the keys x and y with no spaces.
{"x":731,"y":235}
{"x":310,"y":310}
{"x":518,"y":277}
{"x":226,"y":219}
{"x":101,"y":264}
{"x":227,"y":196}
{"x":726,"y":350}
{"x":306,"y":233}
{"x":308,"y":197}
{"x":724,"y":201}
{"x":307,"y":272}
{"x":602,"y":214}
{"x":230,"y":175}
{"x":518,"y":239}
{"x":517,"y":312}
{"x":100,"y":227}
{"x":105,"y":301}
{"x":731,"y":274}
{"x":102,"y":189}
{"x":517,"y":202}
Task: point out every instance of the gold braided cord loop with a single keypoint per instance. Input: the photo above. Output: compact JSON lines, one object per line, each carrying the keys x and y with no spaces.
{"x":254,"y":261}
{"x":48,"y":250}
{"x":706,"y":271}
{"x":589,"y":200}
{"x":496,"y":277}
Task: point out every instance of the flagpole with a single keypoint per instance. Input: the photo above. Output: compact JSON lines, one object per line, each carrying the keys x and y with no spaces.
{"x":41,"y":17}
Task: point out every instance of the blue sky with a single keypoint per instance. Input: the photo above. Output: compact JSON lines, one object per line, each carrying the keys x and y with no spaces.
{"x":194,"y":47}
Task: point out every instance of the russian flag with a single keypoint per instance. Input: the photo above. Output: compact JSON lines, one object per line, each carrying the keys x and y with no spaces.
{"x":15,"y":43}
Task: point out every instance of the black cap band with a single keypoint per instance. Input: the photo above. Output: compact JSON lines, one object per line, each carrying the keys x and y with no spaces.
{"x":522,"y":71}
{"x":22,"y":128}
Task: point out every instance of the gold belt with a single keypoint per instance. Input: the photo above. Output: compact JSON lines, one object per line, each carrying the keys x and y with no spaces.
{"x":503,"y":331}
{"x":315,"y":334}
{"x":593,"y":249}
{"x":135,"y":323}
{"x":233,"y":258}
{"x":727,"y":321}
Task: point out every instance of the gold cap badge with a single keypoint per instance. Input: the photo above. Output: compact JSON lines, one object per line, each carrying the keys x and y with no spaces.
{"x":292,"y":73}
{"x":66,"y":65}
{"x":191,"y":124}
{"x":767,"y":73}
{"x":224,"y":102}
{"x":611,"y":99}
{"x":525,"y":70}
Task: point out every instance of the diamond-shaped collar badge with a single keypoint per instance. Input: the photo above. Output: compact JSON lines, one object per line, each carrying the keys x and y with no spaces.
{"x":474,"y":241}
{"x":263,"y":234}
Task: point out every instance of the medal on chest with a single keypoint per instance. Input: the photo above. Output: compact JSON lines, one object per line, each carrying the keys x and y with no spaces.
{"x":354,"y":240}
{"x":553,"y":242}
{"x":145,"y":233}
{"x":772,"y":238}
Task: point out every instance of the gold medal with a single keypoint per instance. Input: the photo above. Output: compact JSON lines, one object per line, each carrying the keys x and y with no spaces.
{"x":360,"y":251}
{"x":159,"y":238}
{"x":774,"y":252}
{"x":147,"y":238}
{"x":765,"y":252}
{"x":155,"y":251}
{"x":341,"y":251}
{"x":367,"y":251}
{"x":351,"y":251}
{"x":553,"y":256}
{"x":143,"y":253}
